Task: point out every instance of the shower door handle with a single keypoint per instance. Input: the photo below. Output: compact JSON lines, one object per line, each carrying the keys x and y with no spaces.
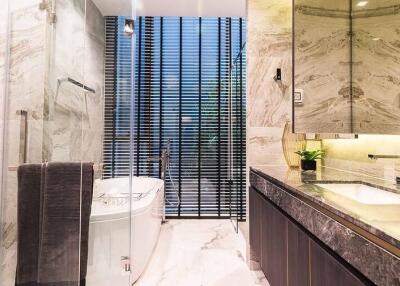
{"x":125,"y":265}
{"x":23,"y":136}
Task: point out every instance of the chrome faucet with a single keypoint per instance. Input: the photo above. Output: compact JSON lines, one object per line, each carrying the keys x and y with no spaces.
{"x":164,"y":159}
{"x":164,"y":162}
{"x":376,"y":157}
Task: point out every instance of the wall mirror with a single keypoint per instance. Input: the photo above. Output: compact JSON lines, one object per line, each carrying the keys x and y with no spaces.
{"x":346,"y":58}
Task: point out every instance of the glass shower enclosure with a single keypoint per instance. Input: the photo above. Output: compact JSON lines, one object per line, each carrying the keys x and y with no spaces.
{"x":54,"y":226}
{"x":237,"y":135}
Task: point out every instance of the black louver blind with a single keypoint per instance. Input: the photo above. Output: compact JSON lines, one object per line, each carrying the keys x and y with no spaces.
{"x":186,"y":94}
{"x":117,"y":93}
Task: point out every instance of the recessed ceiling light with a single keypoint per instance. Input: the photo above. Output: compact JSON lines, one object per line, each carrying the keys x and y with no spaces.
{"x":362,"y":3}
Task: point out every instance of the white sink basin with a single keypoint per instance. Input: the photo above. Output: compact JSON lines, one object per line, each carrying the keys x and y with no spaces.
{"x":363,"y":194}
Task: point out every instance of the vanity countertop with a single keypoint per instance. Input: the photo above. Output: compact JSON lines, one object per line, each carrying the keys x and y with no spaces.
{"x":383,"y":221}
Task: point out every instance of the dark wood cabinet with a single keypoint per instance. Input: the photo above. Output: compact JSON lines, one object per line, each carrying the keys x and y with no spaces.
{"x":274,"y":247}
{"x":298,"y":256}
{"x":328,"y":271}
{"x":289,"y":255}
{"x":264,"y":236}
{"x":255,"y":220}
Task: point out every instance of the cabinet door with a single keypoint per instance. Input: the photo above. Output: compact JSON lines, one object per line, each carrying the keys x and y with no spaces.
{"x":298,"y":256}
{"x":255,"y":222}
{"x":265,"y":210}
{"x":274,"y":244}
{"x":328,"y":271}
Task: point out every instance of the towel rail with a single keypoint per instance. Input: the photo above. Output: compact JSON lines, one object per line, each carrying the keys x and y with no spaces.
{"x":96,"y":167}
{"x":23,"y":136}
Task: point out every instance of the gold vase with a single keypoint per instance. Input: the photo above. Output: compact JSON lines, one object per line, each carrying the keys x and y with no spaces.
{"x":292,"y":142}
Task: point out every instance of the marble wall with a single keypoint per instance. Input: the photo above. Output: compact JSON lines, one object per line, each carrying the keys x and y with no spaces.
{"x":347,"y":67}
{"x":376,"y":96}
{"x":75,"y":118}
{"x":269,"y":102}
{"x":376,"y":67}
{"x":322,"y":66}
{"x":3,"y":72}
{"x":25,"y":87}
{"x":69,"y":129}
{"x":352,"y":155}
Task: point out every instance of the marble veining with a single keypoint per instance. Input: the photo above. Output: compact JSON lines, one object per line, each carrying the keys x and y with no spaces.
{"x":269,"y":46}
{"x":377,"y":264}
{"x":67,"y":130}
{"x":376,"y":68}
{"x":25,"y":86}
{"x":322,"y":40}
{"x":75,"y":127}
{"x":200,"y":253}
{"x":347,"y":66}
{"x":3,"y":86}
{"x":269,"y":102}
{"x":376,"y":219}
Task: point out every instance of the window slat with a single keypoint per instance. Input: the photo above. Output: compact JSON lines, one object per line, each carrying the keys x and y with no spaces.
{"x":185,"y":93}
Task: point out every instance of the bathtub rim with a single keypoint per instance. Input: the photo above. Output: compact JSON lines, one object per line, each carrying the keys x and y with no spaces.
{"x":124,"y":212}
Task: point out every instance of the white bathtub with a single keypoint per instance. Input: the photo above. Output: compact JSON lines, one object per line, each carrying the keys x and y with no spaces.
{"x":109,"y":232}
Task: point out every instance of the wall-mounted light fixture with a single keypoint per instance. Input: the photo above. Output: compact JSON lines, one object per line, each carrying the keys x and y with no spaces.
{"x":362,"y":3}
{"x":129,"y":26}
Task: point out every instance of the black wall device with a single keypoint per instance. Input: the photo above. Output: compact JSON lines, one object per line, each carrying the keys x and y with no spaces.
{"x":278,"y":74}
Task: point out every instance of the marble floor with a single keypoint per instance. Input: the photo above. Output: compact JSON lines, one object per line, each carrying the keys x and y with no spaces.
{"x":200,"y":253}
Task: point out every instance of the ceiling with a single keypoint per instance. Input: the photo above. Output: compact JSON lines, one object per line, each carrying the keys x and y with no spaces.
{"x":196,"y":8}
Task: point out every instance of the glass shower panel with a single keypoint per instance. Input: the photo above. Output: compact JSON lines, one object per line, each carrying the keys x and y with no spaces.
{"x":237,"y":123}
{"x":109,"y":231}
{"x":233,"y":194}
{"x":133,"y":241}
{"x":53,"y":55}
{"x":72,"y":108}
{"x":109,"y":61}
{"x":41,"y":200}
{"x":3,"y":87}
{"x":55,"y":58}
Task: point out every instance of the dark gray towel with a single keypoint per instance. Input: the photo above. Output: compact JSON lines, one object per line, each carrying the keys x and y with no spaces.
{"x":29,"y":185}
{"x":64,"y":229}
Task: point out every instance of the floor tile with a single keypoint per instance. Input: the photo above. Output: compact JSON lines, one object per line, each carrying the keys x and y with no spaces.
{"x":199,"y":253}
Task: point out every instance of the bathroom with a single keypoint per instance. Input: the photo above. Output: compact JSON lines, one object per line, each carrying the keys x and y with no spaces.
{"x":199,"y":142}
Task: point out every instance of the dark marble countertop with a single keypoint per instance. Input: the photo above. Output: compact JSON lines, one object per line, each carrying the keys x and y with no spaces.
{"x":383,"y":221}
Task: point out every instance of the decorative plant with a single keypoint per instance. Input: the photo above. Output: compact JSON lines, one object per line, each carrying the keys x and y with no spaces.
{"x":310,"y":155}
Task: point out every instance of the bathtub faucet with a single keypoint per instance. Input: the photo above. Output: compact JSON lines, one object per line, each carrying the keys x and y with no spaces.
{"x":154,"y":159}
{"x":164,"y":159}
